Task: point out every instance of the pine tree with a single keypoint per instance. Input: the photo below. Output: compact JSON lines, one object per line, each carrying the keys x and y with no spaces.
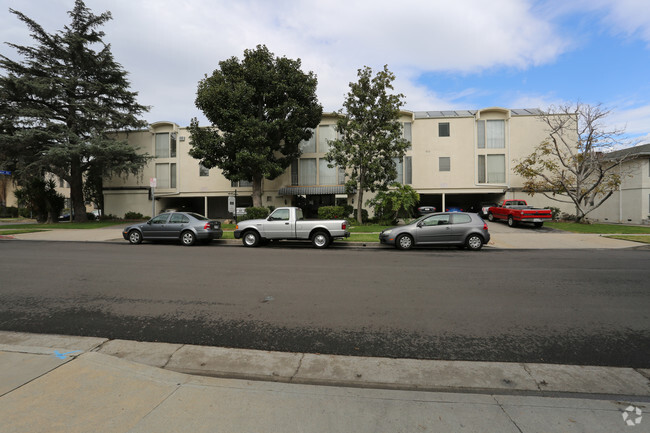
{"x":63,"y":101}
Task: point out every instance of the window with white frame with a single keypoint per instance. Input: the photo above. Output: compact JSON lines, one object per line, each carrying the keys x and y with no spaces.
{"x":241,"y":183}
{"x":165,"y":145}
{"x":203,"y":171}
{"x":408,"y":132}
{"x":166,"y":175}
{"x":399,"y":166}
{"x":408,"y":170}
{"x":326,"y":175}
{"x":307,"y":171}
{"x":491,"y":134}
{"x":491,"y":168}
{"x":325,"y":134}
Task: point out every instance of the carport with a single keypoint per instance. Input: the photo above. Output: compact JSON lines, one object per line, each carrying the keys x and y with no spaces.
{"x":467,"y":201}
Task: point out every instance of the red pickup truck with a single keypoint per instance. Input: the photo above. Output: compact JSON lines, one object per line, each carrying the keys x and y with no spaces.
{"x":518,"y":211}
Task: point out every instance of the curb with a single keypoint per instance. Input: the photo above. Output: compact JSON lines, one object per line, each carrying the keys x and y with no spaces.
{"x":349,"y":371}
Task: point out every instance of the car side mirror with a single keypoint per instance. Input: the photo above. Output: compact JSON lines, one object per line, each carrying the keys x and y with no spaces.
{"x":420,"y":224}
{"x":149,"y":222}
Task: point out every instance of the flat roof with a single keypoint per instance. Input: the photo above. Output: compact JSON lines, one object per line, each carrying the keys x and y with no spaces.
{"x":472,"y":113}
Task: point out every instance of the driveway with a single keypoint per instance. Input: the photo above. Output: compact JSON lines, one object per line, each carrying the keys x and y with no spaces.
{"x":528,"y":237}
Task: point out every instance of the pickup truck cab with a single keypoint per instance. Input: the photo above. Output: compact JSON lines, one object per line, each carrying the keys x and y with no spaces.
{"x":518,"y":211}
{"x":289,"y":223}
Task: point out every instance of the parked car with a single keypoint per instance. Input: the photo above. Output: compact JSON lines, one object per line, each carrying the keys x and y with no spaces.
{"x":518,"y":211}
{"x":459,"y":228}
{"x":484,"y":209}
{"x":188,"y":227}
{"x":425,"y":210}
{"x":289,"y":223}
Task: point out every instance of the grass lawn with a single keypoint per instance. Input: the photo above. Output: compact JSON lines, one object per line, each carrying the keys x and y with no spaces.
{"x":643,"y":239}
{"x":598,"y":228}
{"x":362,"y":237}
{"x":20,"y":231}
{"x":66,"y":225}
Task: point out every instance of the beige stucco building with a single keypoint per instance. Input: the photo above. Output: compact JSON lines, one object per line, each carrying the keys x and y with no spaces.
{"x":457,"y":159}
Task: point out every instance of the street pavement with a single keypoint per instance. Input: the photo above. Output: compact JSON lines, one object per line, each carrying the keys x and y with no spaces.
{"x":52,"y":383}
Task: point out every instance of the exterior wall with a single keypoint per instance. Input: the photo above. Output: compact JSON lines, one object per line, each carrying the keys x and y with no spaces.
{"x":523,"y":131}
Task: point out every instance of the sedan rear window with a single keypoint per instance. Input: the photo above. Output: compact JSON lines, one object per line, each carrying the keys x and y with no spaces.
{"x":197,"y":216}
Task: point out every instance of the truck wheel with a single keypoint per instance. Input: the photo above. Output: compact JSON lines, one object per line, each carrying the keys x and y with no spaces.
{"x":538,"y":225}
{"x":251,"y":239}
{"x":490,"y":217}
{"x":474,"y":242}
{"x":511,"y":222}
{"x":404,"y":242}
{"x":320,"y":240}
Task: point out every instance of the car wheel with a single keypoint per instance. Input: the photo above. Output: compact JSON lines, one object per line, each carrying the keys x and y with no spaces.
{"x":320,"y":240}
{"x":474,"y":242}
{"x":188,"y":238}
{"x":404,"y":242}
{"x":511,"y":222}
{"x":251,"y":239}
{"x":490,"y":217}
{"x":135,"y":237}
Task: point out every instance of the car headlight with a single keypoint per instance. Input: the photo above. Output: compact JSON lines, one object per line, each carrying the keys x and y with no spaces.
{"x":386,"y":232}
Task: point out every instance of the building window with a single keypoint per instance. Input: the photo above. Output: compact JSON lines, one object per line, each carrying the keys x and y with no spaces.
{"x":166,"y":145}
{"x":325,"y":133}
{"x":203,"y":171}
{"x":166,"y":175}
{"x":307,"y":171}
{"x":443,"y":129}
{"x":399,"y":167}
{"x":444,"y":163}
{"x":408,"y":170}
{"x":326,"y":175}
{"x":491,"y":169}
{"x":491,"y":134}
{"x":309,"y":146}
{"x":241,"y":183}
{"x":408,"y":132}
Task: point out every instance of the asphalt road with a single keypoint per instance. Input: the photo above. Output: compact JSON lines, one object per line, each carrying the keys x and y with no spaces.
{"x":587,"y":307}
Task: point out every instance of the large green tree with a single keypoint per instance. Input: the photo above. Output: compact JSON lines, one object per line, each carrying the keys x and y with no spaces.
{"x":260,"y":109}
{"x":62,"y":103}
{"x":370,"y":134}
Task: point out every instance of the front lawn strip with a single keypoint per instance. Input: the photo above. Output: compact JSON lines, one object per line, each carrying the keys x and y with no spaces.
{"x":643,"y":239}
{"x":65,"y":225}
{"x":598,"y":228}
{"x":20,"y":231}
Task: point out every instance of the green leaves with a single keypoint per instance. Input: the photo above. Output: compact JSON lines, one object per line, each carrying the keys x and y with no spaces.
{"x":371,"y":136}
{"x":61,"y":103}
{"x":260,"y":109}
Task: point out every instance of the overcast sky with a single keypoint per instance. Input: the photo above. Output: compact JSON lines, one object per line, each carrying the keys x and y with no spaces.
{"x":463,"y":54}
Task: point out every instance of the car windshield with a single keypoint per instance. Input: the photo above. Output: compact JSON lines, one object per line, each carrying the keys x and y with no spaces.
{"x":197,"y":216}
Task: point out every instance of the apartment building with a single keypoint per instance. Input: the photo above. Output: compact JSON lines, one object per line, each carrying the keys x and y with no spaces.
{"x":456,"y":159}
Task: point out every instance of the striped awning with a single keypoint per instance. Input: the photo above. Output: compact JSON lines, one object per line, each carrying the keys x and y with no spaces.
{"x":312,"y":190}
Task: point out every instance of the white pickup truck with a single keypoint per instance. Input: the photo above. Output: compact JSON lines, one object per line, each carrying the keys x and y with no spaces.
{"x":289,"y":223}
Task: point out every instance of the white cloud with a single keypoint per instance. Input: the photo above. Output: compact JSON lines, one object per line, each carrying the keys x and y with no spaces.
{"x":168,"y":45}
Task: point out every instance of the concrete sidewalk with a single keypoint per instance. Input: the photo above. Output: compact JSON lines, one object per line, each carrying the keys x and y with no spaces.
{"x":502,"y":238}
{"x":52,"y":383}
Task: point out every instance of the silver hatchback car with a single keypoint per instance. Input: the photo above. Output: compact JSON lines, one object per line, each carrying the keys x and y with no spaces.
{"x":188,"y":227}
{"x":458,"y":228}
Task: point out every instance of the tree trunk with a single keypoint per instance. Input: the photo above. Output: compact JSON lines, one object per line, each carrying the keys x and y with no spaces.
{"x":360,"y":198}
{"x":76,"y":192}
{"x":257,"y":191}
